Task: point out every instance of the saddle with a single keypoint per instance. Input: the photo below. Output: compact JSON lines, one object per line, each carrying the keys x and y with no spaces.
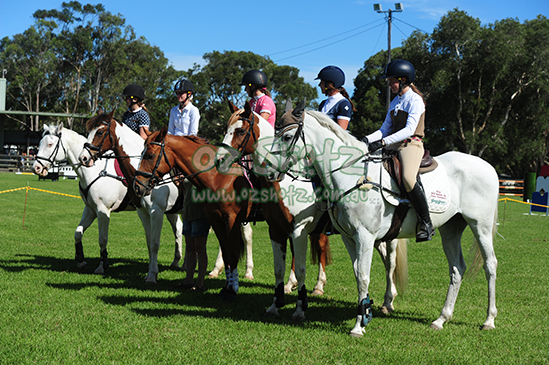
{"x":394,"y":168}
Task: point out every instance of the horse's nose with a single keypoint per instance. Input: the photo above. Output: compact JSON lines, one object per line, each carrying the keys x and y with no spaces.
{"x":37,"y":169}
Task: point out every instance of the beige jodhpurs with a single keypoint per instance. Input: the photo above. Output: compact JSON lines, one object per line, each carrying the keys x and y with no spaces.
{"x":410,"y":155}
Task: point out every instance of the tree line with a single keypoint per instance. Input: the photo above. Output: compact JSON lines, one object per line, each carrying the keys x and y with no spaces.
{"x":486,"y":86}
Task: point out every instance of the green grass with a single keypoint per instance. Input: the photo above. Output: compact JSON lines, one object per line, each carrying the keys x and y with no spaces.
{"x":51,"y":314}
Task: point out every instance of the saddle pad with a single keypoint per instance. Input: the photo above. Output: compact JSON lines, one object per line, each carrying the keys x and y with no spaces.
{"x":435,"y":183}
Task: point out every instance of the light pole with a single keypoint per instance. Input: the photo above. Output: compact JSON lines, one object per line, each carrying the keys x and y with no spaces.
{"x":398,"y":9}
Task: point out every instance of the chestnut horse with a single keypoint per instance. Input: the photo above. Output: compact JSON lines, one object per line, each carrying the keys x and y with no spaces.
{"x":224,"y":193}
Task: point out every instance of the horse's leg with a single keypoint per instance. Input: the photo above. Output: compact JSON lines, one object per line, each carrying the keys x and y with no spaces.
{"x":320,"y":247}
{"x":386,"y":252}
{"x":218,"y":265}
{"x":279,"y":241}
{"x":228,"y":233}
{"x":361,"y":257}
{"x":247,"y":236}
{"x":88,"y":216}
{"x":300,"y":249}
{"x":450,"y":234}
{"x":156,"y":217}
{"x":103,"y":220}
{"x":484,"y":236}
{"x":146,"y":222}
{"x":292,"y":280}
{"x":177,"y":228}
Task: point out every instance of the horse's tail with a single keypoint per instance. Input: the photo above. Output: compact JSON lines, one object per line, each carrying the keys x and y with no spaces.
{"x":320,"y":243}
{"x":401,"y":265}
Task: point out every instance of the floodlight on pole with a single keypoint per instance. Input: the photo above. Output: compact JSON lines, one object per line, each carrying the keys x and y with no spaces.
{"x":398,"y":8}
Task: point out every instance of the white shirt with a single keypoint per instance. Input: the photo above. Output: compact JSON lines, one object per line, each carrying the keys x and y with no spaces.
{"x":184,"y":122}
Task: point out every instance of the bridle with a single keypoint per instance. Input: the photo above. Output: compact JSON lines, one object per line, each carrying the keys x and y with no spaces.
{"x":53,"y":155}
{"x":99,"y":151}
{"x":153,"y":176}
{"x":250,"y":133}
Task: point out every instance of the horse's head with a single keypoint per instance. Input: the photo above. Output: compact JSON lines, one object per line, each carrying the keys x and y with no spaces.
{"x":50,"y":149}
{"x":243,"y":129}
{"x":101,"y":138}
{"x":154,"y":163}
{"x":288,"y":140}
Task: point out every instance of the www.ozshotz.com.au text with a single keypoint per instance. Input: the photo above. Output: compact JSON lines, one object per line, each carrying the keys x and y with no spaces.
{"x":291,"y":195}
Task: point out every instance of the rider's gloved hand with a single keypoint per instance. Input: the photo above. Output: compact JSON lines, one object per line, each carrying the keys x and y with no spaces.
{"x":374,"y":146}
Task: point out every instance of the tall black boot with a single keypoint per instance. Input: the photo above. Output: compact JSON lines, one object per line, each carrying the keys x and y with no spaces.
{"x":419,"y":201}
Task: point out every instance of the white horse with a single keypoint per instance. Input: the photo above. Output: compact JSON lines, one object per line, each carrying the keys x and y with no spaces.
{"x":462,"y":191}
{"x":101,"y":189}
{"x":295,"y":216}
{"x":106,"y":134}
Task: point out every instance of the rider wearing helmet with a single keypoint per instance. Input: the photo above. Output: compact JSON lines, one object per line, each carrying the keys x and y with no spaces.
{"x":184,"y":117}
{"x":403,"y":131}
{"x":338,"y":106}
{"x":136,"y":117}
{"x":255,"y":84}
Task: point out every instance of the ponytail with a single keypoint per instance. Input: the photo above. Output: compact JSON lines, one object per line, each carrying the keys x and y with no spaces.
{"x":416,"y":90}
{"x":346,"y":95}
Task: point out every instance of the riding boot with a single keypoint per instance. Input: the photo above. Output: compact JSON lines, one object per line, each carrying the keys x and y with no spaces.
{"x":425,"y":230}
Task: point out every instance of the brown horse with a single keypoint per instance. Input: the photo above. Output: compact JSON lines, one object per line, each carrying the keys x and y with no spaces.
{"x":224,"y":194}
{"x":287,"y":218}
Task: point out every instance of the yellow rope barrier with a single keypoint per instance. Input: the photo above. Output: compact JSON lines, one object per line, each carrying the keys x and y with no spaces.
{"x":518,"y":201}
{"x":42,"y":190}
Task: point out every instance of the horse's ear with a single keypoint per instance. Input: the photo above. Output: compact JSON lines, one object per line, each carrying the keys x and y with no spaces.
{"x":60,"y":127}
{"x":147,"y":132}
{"x":298,"y":111}
{"x":111,"y":114}
{"x":233,"y":108}
{"x":289,"y":106}
{"x":247,"y":111}
{"x":162,"y":134}
{"x":100,"y":111}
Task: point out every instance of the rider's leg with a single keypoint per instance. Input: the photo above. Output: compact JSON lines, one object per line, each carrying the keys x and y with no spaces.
{"x":410,"y":157}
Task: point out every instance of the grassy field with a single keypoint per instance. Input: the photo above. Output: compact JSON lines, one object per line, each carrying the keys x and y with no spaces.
{"x":51,"y":314}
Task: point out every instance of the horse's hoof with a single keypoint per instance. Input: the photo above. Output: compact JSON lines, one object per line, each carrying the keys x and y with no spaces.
{"x":227,"y":294}
{"x":99,"y":271}
{"x":317,"y":292}
{"x":81,"y":266}
{"x":213,"y":275}
{"x":299,"y":318}
{"x":249,"y":277}
{"x":175,"y":266}
{"x":289,"y":287}
{"x":487,"y":327}
{"x":356,"y":334}
{"x":386,"y":310}
{"x":435,"y":326}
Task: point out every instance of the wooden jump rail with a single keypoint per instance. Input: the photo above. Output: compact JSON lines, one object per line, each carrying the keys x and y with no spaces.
{"x":511,"y":187}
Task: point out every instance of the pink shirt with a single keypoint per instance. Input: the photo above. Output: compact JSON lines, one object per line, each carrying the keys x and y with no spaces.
{"x":264,"y":104}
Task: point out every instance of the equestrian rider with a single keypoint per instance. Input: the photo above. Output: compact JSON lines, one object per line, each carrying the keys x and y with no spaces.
{"x":338,"y":106}
{"x":403,"y":131}
{"x":255,"y":84}
{"x":136,"y":117}
{"x":184,"y":117}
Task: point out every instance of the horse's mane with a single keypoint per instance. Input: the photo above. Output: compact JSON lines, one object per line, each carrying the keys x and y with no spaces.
{"x":96,"y":121}
{"x":342,"y":134}
{"x":197,"y":139}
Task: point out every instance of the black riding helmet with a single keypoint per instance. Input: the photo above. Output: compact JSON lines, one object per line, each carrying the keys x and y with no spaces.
{"x":254,"y":77}
{"x":183,"y":86}
{"x":332,"y":74}
{"x":400,"y":68}
{"x":134,"y":91}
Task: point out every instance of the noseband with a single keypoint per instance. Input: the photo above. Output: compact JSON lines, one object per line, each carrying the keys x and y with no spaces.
{"x":153,"y":176}
{"x":99,"y":149}
{"x":53,"y":155}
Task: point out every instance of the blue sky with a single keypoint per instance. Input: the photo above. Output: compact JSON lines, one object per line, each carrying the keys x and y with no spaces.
{"x":307,"y":35}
